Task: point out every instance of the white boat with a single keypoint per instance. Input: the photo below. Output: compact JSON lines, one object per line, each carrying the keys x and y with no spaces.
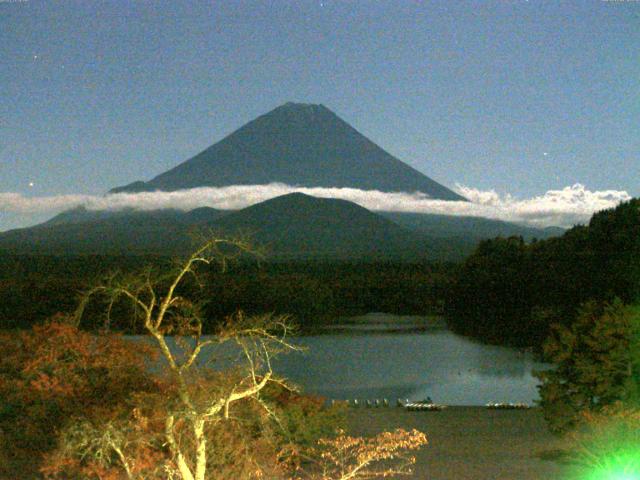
{"x":424,"y":406}
{"x":507,"y":406}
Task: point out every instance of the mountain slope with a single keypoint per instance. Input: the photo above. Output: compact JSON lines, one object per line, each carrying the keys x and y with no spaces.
{"x":296,"y":144}
{"x":475,"y":228}
{"x":298,"y":225}
{"x":294,"y":226}
{"x":129,"y":232}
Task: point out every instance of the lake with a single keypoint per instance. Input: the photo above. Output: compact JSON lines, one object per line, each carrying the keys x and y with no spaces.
{"x":384,"y":356}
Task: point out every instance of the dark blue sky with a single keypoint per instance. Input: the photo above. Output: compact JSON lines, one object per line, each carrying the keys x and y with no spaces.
{"x":97,"y":94}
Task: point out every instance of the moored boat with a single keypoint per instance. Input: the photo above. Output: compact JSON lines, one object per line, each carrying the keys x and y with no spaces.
{"x":426,"y":406}
{"x":507,"y":406}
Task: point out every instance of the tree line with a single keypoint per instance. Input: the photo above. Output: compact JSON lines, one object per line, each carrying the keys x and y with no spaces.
{"x":36,"y":287}
{"x":318,"y":292}
{"x":512,"y":292}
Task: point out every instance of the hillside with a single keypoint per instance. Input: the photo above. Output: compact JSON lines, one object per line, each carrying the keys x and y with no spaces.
{"x":520,"y":290}
{"x":301,"y":226}
{"x":475,"y":228}
{"x":294,"y":226}
{"x":129,"y":232}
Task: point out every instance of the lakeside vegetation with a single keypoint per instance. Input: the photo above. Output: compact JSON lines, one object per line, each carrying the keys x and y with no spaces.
{"x":576,"y":299}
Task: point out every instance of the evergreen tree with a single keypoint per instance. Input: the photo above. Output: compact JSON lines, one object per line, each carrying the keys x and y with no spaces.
{"x":595,"y":364}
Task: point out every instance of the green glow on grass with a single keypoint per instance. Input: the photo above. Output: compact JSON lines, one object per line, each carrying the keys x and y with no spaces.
{"x":620,"y":476}
{"x":620,"y":466}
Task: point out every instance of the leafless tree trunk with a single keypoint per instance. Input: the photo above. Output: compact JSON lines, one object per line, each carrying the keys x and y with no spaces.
{"x":259,"y":339}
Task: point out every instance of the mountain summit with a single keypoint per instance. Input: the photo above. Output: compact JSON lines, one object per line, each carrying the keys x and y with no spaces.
{"x":296,"y":144}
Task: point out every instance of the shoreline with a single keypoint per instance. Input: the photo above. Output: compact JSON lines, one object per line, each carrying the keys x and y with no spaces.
{"x":470,"y":443}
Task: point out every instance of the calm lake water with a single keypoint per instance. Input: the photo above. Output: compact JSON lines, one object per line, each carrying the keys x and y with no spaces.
{"x":383,"y":356}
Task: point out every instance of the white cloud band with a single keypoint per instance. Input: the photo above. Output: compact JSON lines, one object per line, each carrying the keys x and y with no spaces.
{"x":565,"y":207}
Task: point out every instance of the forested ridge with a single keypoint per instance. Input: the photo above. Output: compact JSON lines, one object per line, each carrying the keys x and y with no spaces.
{"x":37,"y":287}
{"x":511,"y":292}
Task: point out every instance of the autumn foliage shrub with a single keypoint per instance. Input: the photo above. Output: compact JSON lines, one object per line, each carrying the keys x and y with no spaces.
{"x":304,"y":420}
{"x":54,"y":373}
{"x":386,"y":455}
{"x":79,"y":405}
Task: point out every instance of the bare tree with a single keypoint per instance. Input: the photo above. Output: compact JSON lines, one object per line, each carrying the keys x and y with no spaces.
{"x":164,"y":312}
{"x":196,"y":405}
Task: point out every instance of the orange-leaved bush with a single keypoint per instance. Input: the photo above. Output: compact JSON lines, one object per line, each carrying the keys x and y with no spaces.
{"x":52,"y":374}
{"x":385,"y":455}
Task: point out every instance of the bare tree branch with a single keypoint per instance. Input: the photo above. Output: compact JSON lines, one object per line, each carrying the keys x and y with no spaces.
{"x":165,"y":310}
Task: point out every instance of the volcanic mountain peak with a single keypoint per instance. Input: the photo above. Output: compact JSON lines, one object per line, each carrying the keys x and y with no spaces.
{"x":300,"y":111}
{"x":300,"y":107}
{"x":296,"y":144}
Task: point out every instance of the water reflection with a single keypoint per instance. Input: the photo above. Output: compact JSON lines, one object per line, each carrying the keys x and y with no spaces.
{"x":435,"y":362}
{"x":509,"y":364}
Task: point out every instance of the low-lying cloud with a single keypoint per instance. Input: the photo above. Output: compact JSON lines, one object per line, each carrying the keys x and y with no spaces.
{"x":565,"y":208}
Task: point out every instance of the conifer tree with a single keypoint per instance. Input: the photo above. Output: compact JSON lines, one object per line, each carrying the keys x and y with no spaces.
{"x":596,"y":363}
